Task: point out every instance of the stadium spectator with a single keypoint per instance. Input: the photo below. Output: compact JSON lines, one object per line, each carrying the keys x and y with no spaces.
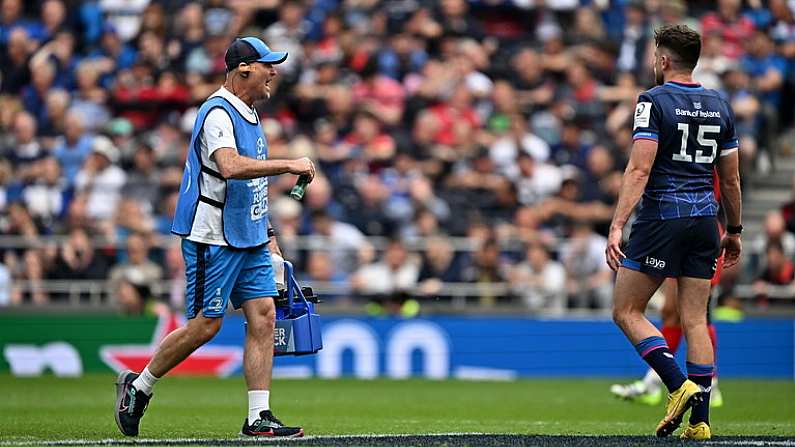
{"x":346,"y":245}
{"x":53,"y":124}
{"x":47,"y":196}
{"x":24,"y":149}
{"x":589,"y":281}
{"x":112,"y":56}
{"x":134,"y":283}
{"x":514,"y":138}
{"x":143,"y":179}
{"x":540,"y":281}
{"x":321,"y":270}
{"x":788,"y":210}
{"x":425,"y":121}
{"x":287,"y":34}
{"x":379,"y":94}
{"x":396,"y":273}
{"x":15,"y":57}
{"x":100,"y":179}
{"x":439,"y":265}
{"x":75,"y":260}
{"x":90,"y":99}
{"x":485,"y":269}
{"x":779,"y":270}
{"x":25,"y":263}
{"x":42,"y":80}
{"x":75,"y":147}
{"x":728,"y":22}
{"x":775,"y":231}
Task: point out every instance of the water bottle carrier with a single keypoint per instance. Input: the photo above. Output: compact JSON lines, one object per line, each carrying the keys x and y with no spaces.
{"x":297,"y":325}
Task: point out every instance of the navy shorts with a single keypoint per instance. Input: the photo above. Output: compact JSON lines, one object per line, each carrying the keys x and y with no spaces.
{"x":672,"y":248}
{"x":216,"y":274}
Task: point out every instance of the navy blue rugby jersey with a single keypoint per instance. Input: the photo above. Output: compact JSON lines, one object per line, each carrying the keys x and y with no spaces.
{"x":693,"y":127}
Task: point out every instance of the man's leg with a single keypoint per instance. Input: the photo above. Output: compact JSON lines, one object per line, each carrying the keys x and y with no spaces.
{"x":181,"y":343}
{"x":207,"y":267}
{"x":671,"y":327}
{"x":632,"y":293}
{"x":633,"y":290}
{"x":133,"y":391}
{"x":647,"y":390}
{"x":258,"y":368}
{"x":693,"y":296}
{"x":258,"y":354}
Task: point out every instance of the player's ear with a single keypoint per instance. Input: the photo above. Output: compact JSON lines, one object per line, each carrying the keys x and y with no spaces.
{"x":244,"y":69}
{"x":665,"y":61}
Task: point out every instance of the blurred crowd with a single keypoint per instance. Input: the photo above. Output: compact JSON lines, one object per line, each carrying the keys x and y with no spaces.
{"x":506,"y":122}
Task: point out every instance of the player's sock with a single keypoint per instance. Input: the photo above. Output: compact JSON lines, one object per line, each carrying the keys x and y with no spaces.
{"x":672,"y":336}
{"x":702,"y":376}
{"x":145,"y":381}
{"x":655,"y":352}
{"x":257,"y":401}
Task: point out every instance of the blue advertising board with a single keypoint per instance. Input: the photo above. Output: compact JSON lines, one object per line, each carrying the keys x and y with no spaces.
{"x":507,"y":348}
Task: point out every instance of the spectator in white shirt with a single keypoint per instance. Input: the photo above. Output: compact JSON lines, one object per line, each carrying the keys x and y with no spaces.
{"x":540,"y":281}
{"x":100,"y":180}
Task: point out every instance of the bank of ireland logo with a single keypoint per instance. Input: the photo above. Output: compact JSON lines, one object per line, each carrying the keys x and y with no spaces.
{"x":260,"y":145}
{"x":697,"y":105}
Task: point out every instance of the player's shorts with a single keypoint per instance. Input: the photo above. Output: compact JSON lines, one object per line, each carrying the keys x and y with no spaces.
{"x":215,"y":274}
{"x":676,"y":247}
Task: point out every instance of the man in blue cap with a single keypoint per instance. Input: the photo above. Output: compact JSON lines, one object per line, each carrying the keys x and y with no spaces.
{"x":222,"y":216}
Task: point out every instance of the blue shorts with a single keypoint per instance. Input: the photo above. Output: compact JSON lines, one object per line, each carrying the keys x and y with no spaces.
{"x":688,"y":247}
{"x":217,"y":273}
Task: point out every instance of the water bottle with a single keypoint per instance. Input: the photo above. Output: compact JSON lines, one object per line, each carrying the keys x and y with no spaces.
{"x":299,"y":189}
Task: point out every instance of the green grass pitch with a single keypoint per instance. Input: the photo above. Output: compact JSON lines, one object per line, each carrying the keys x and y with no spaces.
{"x":49,"y":408}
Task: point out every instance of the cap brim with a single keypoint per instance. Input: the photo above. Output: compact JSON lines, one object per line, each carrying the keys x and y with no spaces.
{"x":274,"y":57}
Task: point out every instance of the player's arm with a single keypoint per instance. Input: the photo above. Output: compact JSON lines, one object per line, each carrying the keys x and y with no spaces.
{"x":731,"y":199}
{"x":645,"y":130}
{"x":636,"y":176}
{"x":728,"y":168}
{"x":232,"y":165}
{"x":219,"y":136}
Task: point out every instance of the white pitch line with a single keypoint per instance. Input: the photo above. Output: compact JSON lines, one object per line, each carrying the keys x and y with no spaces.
{"x":362,"y":437}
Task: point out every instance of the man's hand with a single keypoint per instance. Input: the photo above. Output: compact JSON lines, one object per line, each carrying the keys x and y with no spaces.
{"x":732,"y":247}
{"x":303,"y":166}
{"x":273,"y":246}
{"x":613,"y":252}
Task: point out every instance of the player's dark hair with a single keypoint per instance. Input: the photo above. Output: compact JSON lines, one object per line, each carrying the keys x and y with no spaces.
{"x":683,"y":43}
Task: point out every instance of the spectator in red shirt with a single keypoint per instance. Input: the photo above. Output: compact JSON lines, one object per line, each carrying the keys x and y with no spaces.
{"x":374,"y":145}
{"x":779,"y":271}
{"x":456,"y":112}
{"x":733,"y":28}
{"x":379,"y":94}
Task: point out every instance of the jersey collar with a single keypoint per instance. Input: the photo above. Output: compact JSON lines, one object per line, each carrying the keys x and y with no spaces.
{"x":245,"y":111}
{"x":685,"y":85}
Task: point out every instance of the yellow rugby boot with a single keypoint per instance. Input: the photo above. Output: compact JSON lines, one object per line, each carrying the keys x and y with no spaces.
{"x":679,"y":402}
{"x":698,"y":432}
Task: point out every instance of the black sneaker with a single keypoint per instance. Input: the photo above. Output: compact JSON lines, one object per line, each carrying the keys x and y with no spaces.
{"x":269,"y":425}
{"x":130,"y":404}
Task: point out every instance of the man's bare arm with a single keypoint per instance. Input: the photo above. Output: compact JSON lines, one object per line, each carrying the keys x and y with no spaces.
{"x":635,"y":178}
{"x":729,"y":175}
{"x":232,"y":165}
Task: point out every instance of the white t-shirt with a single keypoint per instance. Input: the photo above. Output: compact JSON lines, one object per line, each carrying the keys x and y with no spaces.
{"x":217,"y":132}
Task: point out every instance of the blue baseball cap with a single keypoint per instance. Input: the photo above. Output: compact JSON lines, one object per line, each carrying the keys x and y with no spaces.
{"x":249,"y":50}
